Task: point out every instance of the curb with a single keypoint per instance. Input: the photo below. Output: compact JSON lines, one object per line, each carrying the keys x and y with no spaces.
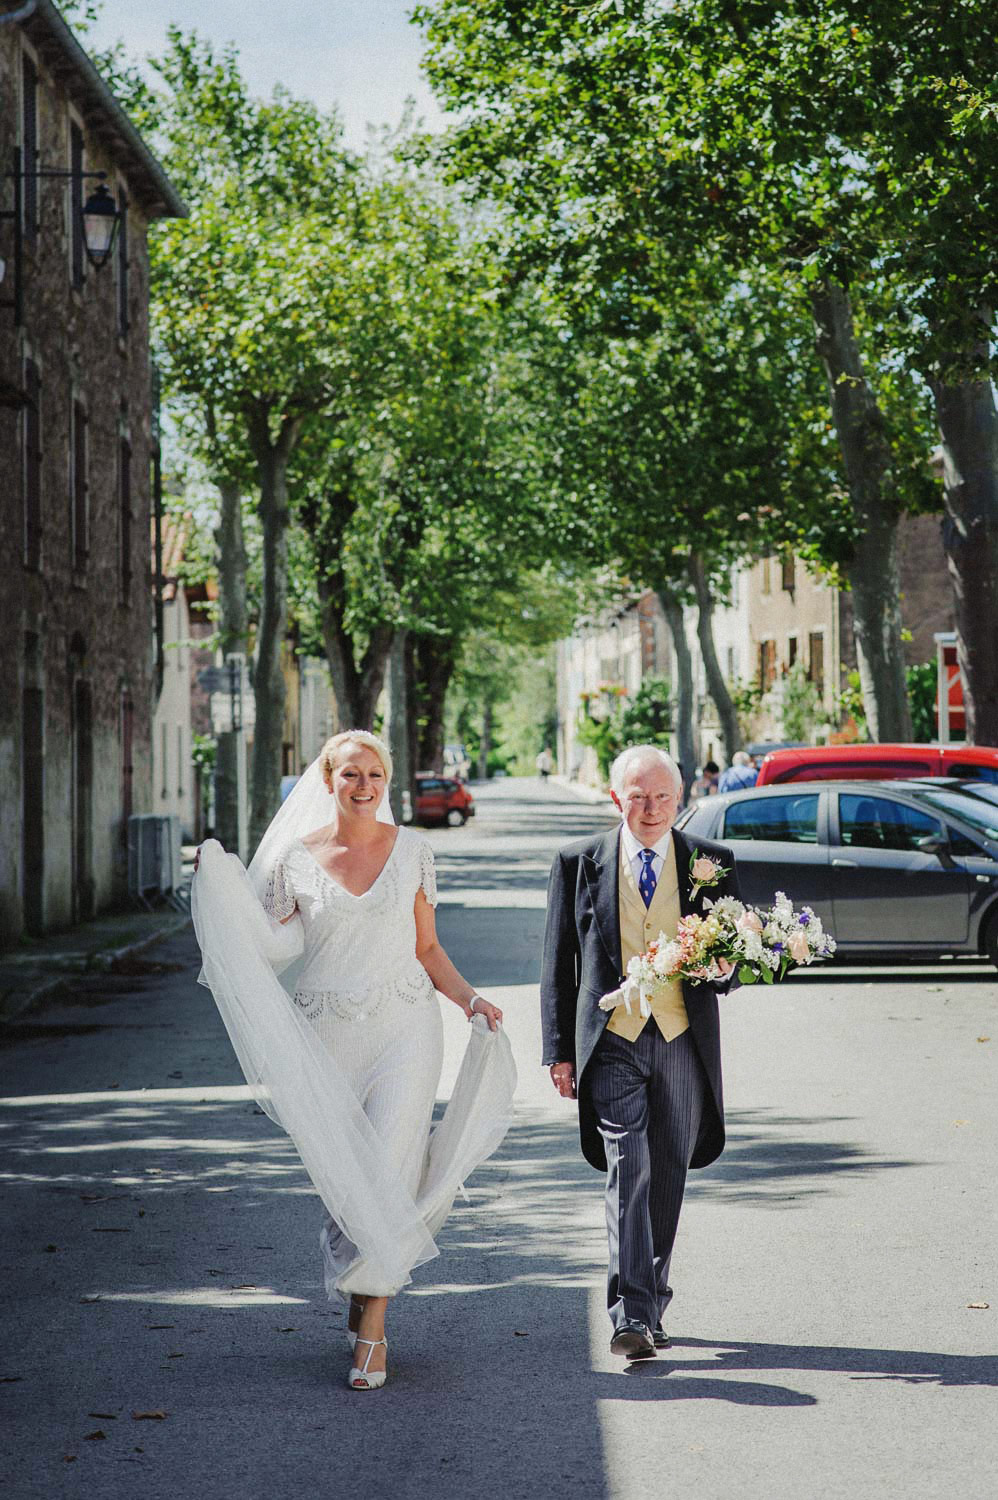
{"x":16,"y":1003}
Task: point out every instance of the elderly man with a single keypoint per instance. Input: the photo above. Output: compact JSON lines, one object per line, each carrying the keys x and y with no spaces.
{"x":740,"y":775}
{"x":649,"y":1090}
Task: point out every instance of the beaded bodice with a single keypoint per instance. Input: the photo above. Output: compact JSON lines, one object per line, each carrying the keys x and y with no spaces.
{"x":360,"y":951}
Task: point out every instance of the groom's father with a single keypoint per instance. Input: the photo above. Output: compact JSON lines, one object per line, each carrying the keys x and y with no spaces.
{"x":649,"y":1090}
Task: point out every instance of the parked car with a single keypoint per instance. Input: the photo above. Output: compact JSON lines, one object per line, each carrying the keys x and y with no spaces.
{"x":442,"y":799}
{"x":898,"y":868}
{"x":877,"y":763}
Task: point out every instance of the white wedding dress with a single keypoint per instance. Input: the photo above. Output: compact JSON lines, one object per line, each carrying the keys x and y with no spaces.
{"x":347,"y":1059}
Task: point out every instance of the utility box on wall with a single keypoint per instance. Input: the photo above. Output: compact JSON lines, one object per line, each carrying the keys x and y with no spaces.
{"x":154,"y":859}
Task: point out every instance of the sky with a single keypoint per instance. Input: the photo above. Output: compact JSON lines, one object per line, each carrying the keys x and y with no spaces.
{"x":361,"y":55}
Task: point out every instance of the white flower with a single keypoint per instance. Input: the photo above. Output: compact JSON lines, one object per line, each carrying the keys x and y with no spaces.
{"x":728,"y":908}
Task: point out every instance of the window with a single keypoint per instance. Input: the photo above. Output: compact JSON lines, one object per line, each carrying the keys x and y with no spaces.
{"x":787,"y":820}
{"x":979,"y":812}
{"x":767,"y":582}
{"x":79,"y":497}
{"x":787,"y":572}
{"x":767,"y":664}
{"x":121,"y":264}
{"x":973,"y":773}
{"x":29,"y":146}
{"x":816,"y":659}
{"x":876,"y":823}
{"x":125,"y":516}
{"x":32,"y":450}
{"x":791,"y":650}
{"x":77,"y":263}
{"x":732,"y":665}
{"x":854,"y":769}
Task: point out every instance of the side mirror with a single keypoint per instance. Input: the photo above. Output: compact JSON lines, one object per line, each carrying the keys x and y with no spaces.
{"x":935,"y":843}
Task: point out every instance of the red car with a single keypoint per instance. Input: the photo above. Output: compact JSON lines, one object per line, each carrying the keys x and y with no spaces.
{"x":442,"y":799}
{"x":878,"y":763}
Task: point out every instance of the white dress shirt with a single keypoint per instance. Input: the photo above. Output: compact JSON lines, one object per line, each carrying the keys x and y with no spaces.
{"x":633,"y":849}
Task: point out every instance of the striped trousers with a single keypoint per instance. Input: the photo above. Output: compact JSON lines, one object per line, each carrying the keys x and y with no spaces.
{"x":649,"y":1097}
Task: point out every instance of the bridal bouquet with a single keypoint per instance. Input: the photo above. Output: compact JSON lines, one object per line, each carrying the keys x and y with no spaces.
{"x":762,"y":943}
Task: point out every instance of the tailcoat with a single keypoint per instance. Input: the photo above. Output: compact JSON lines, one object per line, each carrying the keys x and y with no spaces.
{"x":582,"y":963}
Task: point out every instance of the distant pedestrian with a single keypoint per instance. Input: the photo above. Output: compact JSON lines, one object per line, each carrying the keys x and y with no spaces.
{"x":544,"y":763}
{"x":739,"y":775}
{"x":347,"y":1058}
{"x":706,"y":783}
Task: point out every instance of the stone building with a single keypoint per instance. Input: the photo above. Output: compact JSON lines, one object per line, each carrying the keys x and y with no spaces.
{"x":777,"y":614}
{"x":76,"y":443}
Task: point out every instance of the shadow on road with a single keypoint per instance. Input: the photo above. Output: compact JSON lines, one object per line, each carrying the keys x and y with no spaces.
{"x":912,"y":1367}
{"x":766,"y":1161}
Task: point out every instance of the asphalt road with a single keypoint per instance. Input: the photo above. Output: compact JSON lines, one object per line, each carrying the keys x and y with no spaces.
{"x":165,"y":1328}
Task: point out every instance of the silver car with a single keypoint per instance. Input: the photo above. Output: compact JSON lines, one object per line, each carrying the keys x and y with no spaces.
{"x":893,"y":868}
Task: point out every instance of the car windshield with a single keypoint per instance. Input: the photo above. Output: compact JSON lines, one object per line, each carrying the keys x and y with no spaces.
{"x":979,"y":808}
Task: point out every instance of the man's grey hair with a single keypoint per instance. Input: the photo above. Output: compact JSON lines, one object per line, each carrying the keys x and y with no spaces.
{"x":633,"y":753}
{"x":741,"y":758}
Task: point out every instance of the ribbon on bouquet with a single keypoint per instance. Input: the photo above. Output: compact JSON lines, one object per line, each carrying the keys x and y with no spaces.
{"x":625,"y":996}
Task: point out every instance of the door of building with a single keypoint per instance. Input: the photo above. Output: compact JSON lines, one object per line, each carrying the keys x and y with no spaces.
{"x":83,"y":779}
{"x":33,"y":810}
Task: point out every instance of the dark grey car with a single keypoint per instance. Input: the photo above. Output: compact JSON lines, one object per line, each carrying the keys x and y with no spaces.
{"x":891,"y":867}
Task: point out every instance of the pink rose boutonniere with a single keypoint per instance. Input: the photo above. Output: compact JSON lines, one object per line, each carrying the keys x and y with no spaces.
{"x":704,"y":871}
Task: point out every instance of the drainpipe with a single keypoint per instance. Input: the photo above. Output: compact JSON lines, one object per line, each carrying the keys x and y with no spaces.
{"x":157,"y":502}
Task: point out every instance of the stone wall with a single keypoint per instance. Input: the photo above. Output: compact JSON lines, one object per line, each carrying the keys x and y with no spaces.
{"x":76,"y":620}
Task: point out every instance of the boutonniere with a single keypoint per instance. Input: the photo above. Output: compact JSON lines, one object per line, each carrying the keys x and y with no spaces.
{"x":704,"y":872}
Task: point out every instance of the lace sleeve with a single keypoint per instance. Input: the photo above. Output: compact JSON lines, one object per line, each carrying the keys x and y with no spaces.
{"x":279,"y":899}
{"x":427,"y":873}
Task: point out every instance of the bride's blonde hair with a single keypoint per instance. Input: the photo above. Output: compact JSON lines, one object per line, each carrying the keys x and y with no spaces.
{"x":327,"y":755}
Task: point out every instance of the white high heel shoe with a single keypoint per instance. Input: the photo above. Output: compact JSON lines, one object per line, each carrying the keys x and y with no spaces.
{"x":361,"y":1379}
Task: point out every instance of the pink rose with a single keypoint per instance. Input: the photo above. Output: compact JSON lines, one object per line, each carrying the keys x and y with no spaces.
{"x":704,"y":870}
{"x":800,"y":950}
{"x":749,"y":921}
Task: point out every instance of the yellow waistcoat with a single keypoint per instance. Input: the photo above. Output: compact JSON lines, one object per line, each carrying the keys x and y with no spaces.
{"x":639,"y":926}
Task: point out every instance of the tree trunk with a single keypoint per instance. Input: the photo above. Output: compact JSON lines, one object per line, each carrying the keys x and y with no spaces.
{"x":356,"y":688}
{"x":230,"y":560}
{"x":435,"y":660}
{"x":716,"y":684}
{"x":397,"y":726}
{"x":673,"y":610}
{"x":486,"y":741}
{"x":410,"y":700}
{"x":873,"y":574}
{"x":968,"y":423}
{"x":268,"y":679}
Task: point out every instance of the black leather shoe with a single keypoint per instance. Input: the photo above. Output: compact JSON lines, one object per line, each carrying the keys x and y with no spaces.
{"x":660,"y":1337}
{"x":632,"y":1340}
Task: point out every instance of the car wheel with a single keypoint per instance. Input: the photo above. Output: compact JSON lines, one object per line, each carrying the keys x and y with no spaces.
{"x":455,"y":818}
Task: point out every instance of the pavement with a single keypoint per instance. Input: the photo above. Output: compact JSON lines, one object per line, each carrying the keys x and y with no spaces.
{"x":834,"y":1323}
{"x":35,"y":969}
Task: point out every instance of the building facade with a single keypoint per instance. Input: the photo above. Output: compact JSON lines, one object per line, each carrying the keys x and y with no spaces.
{"x":76,"y":442}
{"x":779,"y":623}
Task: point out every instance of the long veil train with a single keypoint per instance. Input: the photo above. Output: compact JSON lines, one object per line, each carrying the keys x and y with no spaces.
{"x":377,"y":1232}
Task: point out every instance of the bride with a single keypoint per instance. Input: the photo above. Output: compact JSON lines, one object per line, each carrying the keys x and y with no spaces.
{"x":345,"y":1050}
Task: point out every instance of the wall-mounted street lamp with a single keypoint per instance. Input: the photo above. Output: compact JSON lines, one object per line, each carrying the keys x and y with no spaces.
{"x":100,"y":217}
